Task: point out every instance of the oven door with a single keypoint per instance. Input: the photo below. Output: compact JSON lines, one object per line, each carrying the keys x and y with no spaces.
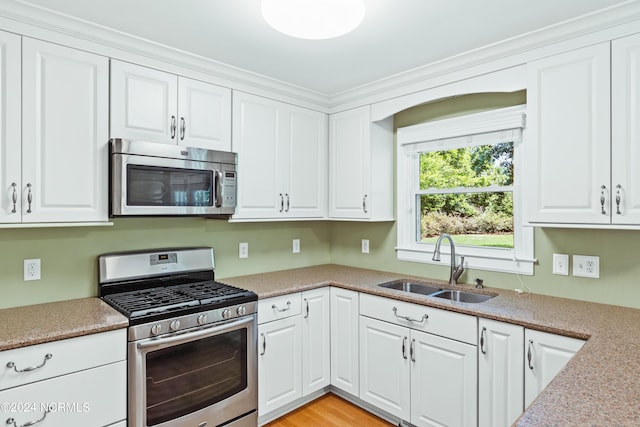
{"x":203,"y":377}
{"x":146,"y":185}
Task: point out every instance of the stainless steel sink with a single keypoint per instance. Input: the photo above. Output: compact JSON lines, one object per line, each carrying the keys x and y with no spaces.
{"x":462,"y":296}
{"x":412,"y":287}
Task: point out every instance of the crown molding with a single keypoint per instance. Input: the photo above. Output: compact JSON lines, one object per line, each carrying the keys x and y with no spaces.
{"x":34,"y":21}
{"x":38,"y":22}
{"x":606,"y":24}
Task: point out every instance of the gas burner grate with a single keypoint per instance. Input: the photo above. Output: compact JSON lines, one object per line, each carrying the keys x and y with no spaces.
{"x":150,"y":301}
{"x":210,"y":291}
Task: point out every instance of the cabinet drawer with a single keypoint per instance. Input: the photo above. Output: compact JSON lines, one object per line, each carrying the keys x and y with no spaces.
{"x":448,"y":324}
{"x":68,"y":355}
{"x":281,"y":307}
{"x":93,"y":397}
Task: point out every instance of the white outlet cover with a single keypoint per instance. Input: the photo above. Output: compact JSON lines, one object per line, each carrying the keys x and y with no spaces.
{"x":561,"y":264}
{"x":296,"y":246}
{"x":365,"y":246}
{"x":586,"y":266}
{"x":31,"y":269}
{"x":243,"y":250}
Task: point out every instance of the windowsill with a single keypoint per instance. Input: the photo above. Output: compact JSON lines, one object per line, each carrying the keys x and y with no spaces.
{"x":502,"y":261}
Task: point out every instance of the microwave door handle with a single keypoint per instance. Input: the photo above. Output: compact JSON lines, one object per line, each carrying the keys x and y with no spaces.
{"x":218,"y":189}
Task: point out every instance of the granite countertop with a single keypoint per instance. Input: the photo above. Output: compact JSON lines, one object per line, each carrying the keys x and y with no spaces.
{"x":599,"y":386}
{"x":37,"y":324}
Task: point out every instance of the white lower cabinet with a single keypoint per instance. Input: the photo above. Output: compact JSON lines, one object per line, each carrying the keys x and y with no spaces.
{"x":293,"y":347}
{"x":279,"y":363}
{"x":316,"y":361}
{"x":420,"y":377}
{"x":345,"y":361}
{"x":500,"y":373}
{"x":76,"y":382}
{"x":545,"y":355}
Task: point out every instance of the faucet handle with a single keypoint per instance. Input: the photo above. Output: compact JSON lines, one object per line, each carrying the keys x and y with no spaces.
{"x":479,"y":283}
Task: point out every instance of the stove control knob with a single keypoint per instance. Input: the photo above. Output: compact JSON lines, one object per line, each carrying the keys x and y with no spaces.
{"x":226,"y":313}
{"x":156,"y":329}
{"x":241,"y":310}
{"x":174,"y":325}
{"x":202,"y":319}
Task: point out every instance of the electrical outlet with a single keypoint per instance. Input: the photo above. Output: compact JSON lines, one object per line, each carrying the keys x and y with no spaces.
{"x":365,"y":246}
{"x":31,"y":269}
{"x":586,"y":266}
{"x":243,"y":250}
{"x":296,"y":246}
{"x":561,"y":264}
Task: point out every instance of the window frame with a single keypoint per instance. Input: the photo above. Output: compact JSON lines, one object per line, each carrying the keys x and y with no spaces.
{"x":440,"y":135}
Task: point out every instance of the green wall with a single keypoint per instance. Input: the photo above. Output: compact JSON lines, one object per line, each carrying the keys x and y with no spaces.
{"x":69,"y":268}
{"x":619,"y":271}
{"x":69,"y":255}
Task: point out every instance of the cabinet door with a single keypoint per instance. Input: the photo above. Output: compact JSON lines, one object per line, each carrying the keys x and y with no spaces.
{"x":568,"y":141}
{"x":316,"y":367}
{"x":625,"y":130}
{"x":500,"y":373}
{"x":204,"y":112}
{"x":93,"y":397}
{"x":144,"y":103}
{"x":349,"y":167}
{"x":10,"y":137}
{"x":443,"y":381}
{"x":64,"y":134}
{"x":257,"y":123}
{"x":546,"y":354}
{"x":384,"y":366}
{"x":279,"y":368}
{"x":306,"y":183}
{"x":344,"y":341}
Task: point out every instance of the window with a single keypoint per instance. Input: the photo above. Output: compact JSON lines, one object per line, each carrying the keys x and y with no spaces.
{"x":460,"y":176}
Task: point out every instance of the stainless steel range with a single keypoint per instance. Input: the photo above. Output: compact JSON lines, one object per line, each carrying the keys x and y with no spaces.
{"x":192,"y":341}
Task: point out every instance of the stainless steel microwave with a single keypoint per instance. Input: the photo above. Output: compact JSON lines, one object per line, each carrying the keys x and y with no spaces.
{"x":152,"y":179}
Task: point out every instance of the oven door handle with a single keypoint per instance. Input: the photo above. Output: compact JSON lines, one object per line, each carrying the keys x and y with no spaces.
{"x":190,"y":336}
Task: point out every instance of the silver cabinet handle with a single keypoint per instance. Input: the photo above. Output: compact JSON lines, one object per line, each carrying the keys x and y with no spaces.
{"x":30,"y":368}
{"x":412,"y":350}
{"x":307,"y":303}
{"x":618,"y":188}
{"x":173,"y":127}
{"x":364,"y":203}
{"x":482,"y":335}
{"x":404,"y":348}
{"x":14,"y":196}
{"x":29,"y":423}
{"x":29,"y":197}
{"x":529,"y":355}
{"x":288,"y":202}
{"x":424,"y":317}
{"x":603,"y":190}
{"x":264,"y":344}
{"x":281,"y":202}
{"x":284,"y":309}
{"x":183,"y":128}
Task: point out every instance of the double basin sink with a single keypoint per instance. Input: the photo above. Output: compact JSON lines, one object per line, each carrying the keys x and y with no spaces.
{"x":433,"y":291}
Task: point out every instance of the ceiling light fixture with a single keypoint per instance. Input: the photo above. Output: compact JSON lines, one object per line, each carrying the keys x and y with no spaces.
{"x":313,"y":19}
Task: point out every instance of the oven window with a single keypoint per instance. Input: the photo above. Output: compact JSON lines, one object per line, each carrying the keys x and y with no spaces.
{"x":159,"y":186}
{"x":191,"y":376}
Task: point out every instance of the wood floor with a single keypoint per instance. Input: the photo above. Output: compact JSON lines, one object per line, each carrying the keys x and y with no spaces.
{"x":329,"y":411}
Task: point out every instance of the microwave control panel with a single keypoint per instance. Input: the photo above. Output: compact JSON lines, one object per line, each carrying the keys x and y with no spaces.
{"x":229,"y":189}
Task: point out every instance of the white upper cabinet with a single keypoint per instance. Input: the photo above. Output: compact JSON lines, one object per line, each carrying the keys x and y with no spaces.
{"x":581,"y":154}
{"x":625,"y":130}
{"x":568,"y":142}
{"x":282,"y":159}
{"x":65,"y":111}
{"x":360,"y":166}
{"x":10,"y":136}
{"x":155,"y":106}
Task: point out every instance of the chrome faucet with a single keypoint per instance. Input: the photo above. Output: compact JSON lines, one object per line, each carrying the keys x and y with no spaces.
{"x":456,"y":270}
